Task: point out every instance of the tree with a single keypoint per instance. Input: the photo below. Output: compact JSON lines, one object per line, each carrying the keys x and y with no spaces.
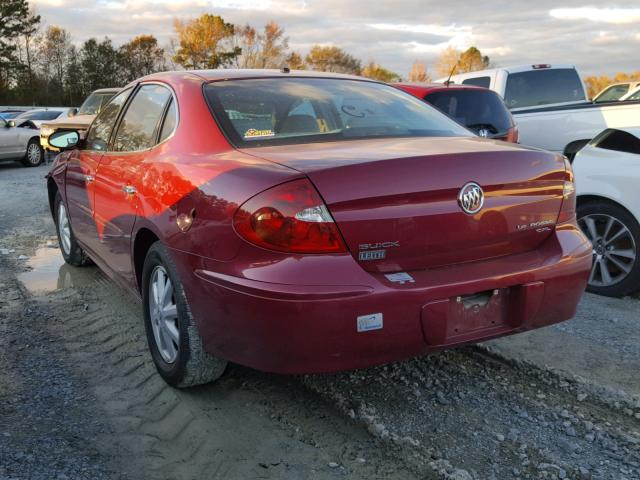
{"x":16,"y":20}
{"x":204,"y":41}
{"x":54,"y":54}
{"x":141,"y":56}
{"x":452,"y":60}
{"x":471,"y":60}
{"x":418,"y":73}
{"x":99,"y":65}
{"x":447,"y":61}
{"x":295,"y":62}
{"x":332,"y":59}
{"x":267,"y":49}
{"x":375,"y":71}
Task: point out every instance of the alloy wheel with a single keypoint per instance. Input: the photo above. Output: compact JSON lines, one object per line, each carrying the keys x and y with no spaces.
{"x":614,"y":249}
{"x":64,"y":229}
{"x":34,"y":155}
{"x":164,"y":314}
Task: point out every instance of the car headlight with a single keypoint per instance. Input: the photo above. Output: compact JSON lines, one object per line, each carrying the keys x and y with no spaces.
{"x":46,"y":131}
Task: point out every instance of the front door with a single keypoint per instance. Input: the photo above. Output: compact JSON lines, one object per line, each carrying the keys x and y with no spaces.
{"x":119,"y":175}
{"x":81,"y":173}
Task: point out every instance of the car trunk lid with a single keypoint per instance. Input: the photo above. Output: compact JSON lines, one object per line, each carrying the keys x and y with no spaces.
{"x":396,"y":200}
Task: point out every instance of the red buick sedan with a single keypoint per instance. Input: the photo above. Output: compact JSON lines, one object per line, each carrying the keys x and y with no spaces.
{"x":306,"y":222}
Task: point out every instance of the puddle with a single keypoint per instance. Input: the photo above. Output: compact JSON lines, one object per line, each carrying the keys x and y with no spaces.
{"x":49,"y":272}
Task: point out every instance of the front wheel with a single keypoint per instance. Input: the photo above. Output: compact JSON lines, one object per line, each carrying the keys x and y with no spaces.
{"x":615,"y":236}
{"x":172,"y":334}
{"x":34,"y":155}
{"x":71,"y":251}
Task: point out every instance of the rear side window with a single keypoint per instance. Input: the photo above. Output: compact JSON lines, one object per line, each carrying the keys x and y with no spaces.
{"x":475,"y":109}
{"x":277,"y":111}
{"x":478,"y":81}
{"x":617,"y":140}
{"x":543,"y":87}
{"x":139,"y":126}
{"x":100,"y":131}
{"x":170,"y":122}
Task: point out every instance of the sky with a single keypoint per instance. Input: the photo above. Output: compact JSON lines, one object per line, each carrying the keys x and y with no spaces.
{"x":600,"y":39}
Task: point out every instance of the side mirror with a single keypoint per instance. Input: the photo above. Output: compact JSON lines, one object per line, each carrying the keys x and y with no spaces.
{"x":73,"y":112}
{"x":10,"y":123}
{"x":64,"y":139}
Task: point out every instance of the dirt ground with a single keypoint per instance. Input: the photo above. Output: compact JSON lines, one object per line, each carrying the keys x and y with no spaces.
{"x":80,"y":398}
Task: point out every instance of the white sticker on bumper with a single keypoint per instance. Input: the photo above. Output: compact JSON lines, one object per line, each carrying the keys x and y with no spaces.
{"x":369,"y":322}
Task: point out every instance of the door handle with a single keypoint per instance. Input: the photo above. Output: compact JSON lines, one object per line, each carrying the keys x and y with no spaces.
{"x":129,"y":190}
{"x":88,"y":178}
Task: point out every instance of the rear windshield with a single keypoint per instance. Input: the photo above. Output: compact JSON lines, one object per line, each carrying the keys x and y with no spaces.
{"x":475,"y":109}
{"x":276,"y":111}
{"x":543,"y":87}
{"x":40,"y":115}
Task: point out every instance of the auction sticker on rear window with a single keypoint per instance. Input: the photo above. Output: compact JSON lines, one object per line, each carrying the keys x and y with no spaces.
{"x":253,"y":133}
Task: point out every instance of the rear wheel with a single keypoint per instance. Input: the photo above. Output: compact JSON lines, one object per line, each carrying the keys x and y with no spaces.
{"x":615,"y":236}
{"x":71,"y":251}
{"x":34,"y":155}
{"x":172,"y":334}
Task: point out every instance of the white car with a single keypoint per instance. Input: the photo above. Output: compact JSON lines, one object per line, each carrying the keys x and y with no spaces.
{"x":20,"y":143}
{"x":40,"y":115}
{"x":632,"y":95}
{"x":549,"y":104}
{"x":607,"y":175}
{"x":615,"y":92}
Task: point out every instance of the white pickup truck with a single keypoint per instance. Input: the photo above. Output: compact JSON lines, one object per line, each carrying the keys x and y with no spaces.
{"x":550,"y":105}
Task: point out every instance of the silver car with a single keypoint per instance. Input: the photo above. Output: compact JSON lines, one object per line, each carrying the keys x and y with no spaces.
{"x":20,"y":143}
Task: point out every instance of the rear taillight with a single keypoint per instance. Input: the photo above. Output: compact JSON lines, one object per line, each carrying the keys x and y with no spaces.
{"x":512,"y":135}
{"x":289,"y":218}
{"x":568,"y":209}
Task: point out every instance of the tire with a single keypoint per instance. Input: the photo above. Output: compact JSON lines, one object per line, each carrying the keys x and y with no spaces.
{"x":34,"y":155}
{"x":616,"y":254}
{"x":72,"y":253}
{"x":173,"y":337}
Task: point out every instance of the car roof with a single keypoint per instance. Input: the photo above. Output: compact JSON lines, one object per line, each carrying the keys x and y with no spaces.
{"x":107,"y":90}
{"x":234,"y":74}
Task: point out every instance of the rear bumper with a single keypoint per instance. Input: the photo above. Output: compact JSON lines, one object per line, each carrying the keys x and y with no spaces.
{"x":310,"y":325}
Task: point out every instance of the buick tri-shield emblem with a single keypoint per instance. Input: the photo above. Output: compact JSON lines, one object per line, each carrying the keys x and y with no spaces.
{"x":471,"y":198}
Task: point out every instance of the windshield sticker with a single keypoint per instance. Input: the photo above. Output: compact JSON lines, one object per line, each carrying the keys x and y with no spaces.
{"x":253,"y":133}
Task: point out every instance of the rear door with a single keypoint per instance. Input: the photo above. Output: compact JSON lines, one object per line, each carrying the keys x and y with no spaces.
{"x":120,"y":171}
{"x":81,"y":172}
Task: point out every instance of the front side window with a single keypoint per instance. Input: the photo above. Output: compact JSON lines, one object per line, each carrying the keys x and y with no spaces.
{"x":612,"y":93}
{"x":139,"y":126}
{"x":543,"y":87}
{"x":276,"y":111}
{"x":100,"y":131}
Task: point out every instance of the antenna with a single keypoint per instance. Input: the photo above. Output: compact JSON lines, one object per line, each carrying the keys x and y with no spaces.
{"x":448,"y":82}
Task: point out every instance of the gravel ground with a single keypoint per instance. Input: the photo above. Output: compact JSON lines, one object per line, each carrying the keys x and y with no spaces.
{"x":79,"y":397}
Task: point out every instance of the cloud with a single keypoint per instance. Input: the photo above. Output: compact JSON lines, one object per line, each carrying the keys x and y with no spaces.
{"x":593,"y":14}
{"x":394,"y":34}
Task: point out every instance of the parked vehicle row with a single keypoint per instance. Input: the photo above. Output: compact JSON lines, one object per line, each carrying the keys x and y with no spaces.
{"x":309,"y":222}
{"x":549,"y":104}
